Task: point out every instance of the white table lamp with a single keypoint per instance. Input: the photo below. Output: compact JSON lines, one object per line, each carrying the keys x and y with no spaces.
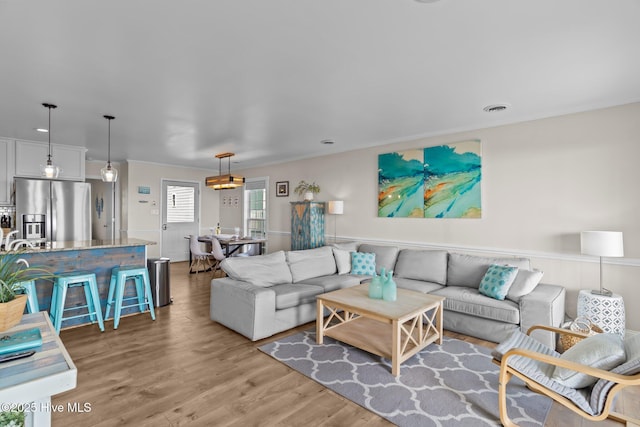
{"x":336,"y":207}
{"x":602,"y":244}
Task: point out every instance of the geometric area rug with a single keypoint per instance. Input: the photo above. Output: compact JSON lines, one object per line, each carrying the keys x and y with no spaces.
{"x":450,"y":385}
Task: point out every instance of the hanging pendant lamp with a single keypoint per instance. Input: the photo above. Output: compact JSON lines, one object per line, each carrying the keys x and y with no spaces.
{"x":109,"y":173}
{"x":224,"y":182}
{"x":49,"y":170}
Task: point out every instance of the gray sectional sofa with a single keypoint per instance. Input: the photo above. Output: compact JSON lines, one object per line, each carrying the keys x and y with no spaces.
{"x":264,"y":295}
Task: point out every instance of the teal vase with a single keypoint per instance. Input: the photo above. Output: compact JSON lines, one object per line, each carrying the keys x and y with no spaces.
{"x":389,"y":288}
{"x":375,"y":287}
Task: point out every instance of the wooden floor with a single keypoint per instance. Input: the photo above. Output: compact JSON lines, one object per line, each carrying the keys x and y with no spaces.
{"x":185,"y":369}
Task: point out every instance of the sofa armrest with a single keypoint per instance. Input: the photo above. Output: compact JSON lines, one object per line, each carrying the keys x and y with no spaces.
{"x":545,"y":306}
{"x":243,"y":307}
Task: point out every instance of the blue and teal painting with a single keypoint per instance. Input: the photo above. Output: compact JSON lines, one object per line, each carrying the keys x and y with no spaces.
{"x":434,"y":182}
{"x":401,"y":184}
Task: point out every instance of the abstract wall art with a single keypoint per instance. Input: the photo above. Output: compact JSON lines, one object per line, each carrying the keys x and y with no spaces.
{"x":433,"y":182}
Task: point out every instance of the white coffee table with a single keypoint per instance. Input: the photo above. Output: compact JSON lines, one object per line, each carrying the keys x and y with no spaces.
{"x":394,"y":330}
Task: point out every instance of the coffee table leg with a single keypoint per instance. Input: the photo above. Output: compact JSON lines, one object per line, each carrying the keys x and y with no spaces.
{"x":439,"y":340}
{"x":395,"y":349}
{"x":319,"y":321}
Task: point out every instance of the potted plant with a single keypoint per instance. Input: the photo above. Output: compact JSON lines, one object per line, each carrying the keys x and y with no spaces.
{"x":14,"y":270}
{"x":307,"y":189}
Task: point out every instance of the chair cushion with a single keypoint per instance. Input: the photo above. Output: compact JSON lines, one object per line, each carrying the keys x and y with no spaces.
{"x":385,"y":255}
{"x":468,"y":270}
{"x":430,"y":266}
{"x":309,"y":263}
{"x":525,"y":282}
{"x":630,"y":367}
{"x":537,"y":370}
{"x":363,"y":263}
{"x":470,"y":301}
{"x":261,"y":270}
{"x":602,"y":351}
{"x":343,"y":260}
{"x":497,"y":281}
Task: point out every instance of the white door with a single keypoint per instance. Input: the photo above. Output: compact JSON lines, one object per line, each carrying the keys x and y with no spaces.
{"x":180,"y":207}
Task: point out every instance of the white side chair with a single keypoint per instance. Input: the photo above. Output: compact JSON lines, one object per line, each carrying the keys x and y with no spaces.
{"x":199,"y":257}
{"x":218,"y":254}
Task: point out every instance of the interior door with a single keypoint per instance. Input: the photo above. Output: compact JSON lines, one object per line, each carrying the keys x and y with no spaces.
{"x":180,"y":217}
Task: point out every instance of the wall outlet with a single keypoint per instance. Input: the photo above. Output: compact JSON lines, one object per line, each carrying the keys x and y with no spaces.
{"x":155,"y":212}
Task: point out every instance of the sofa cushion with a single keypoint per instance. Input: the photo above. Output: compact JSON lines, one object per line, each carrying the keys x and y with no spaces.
{"x":333,"y":282}
{"x":385,"y":255}
{"x":497,"y":281}
{"x":363,"y":263}
{"x":343,"y":260}
{"x":346,"y":246}
{"x":525,"y":282}
{"x":601,"y":351}
{"x":292,"y":295}
{"x":261,"y":270}
{"x":430,"y":266}
{"x":470,"y":301}
{"x":468,"y":270}
{"x":417,"y":285}
{"x":309,"y":263}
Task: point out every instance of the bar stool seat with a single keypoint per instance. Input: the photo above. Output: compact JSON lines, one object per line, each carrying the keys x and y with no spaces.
{"x":116,"y":298}
{"x":29,"y":289}
{"x":62,"y":284}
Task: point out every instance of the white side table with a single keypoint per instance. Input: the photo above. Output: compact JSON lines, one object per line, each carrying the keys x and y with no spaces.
{"x":605,"y":311}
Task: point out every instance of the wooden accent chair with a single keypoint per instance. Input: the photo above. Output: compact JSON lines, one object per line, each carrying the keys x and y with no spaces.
{"x":525,"y":358}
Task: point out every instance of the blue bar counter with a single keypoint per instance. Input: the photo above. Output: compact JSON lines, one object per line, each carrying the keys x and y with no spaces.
{"x":96,"y":256}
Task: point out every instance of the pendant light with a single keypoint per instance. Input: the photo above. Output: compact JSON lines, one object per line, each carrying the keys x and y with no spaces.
{"x":224,"y":182}
{"x":109,"y":173}
{"x":49,"y":170}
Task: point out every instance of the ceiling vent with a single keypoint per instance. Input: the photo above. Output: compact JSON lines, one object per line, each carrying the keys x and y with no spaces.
{"x":495,"y":108}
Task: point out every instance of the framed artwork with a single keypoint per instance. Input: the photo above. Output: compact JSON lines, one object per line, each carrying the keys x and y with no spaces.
{"x":282,"y":189}
{"x":434,"y":182}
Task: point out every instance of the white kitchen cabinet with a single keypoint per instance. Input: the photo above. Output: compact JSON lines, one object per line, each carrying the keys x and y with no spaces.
{"x":6,"y":171}
{"x":31,"y":156}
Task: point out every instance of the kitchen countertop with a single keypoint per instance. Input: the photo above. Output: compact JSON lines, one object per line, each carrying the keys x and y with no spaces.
{"x":91,"y":244}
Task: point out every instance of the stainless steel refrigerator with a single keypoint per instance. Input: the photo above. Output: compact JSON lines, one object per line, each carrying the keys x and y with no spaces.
{"x":53,"y":210}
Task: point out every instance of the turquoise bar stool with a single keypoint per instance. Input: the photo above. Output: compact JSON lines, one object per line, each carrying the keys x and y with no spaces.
{"x":62,"y":284}
{"x":116,"y":298}
{"x":29,"y":289}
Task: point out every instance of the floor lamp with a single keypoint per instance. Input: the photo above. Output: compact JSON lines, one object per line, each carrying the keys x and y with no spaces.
{"x":602,"y":244}
{"x":336,"y":207}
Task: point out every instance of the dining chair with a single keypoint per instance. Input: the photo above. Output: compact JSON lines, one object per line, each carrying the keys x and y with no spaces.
{"x":199,"y":257}
{"x":218,"y":255}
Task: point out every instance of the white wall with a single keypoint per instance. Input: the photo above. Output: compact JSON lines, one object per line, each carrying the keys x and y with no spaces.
{"x":544,"y":181}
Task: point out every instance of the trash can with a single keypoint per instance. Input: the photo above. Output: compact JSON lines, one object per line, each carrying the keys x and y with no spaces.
{"x":159,"y":278}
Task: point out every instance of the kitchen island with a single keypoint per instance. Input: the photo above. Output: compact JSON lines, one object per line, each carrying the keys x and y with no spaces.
{"x":95,"y":256}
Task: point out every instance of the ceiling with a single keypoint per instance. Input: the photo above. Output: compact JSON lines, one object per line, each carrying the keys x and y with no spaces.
{"x":270,"y":79}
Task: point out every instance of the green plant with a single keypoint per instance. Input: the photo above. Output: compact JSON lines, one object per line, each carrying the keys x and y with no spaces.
{"x":304,"y":186}
{"x":12,"y":419}
{"x":14,"y":270}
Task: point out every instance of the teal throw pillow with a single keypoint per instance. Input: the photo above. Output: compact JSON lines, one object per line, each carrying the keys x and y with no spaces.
{"x":497,"y":281}
{"x":363,"y":263}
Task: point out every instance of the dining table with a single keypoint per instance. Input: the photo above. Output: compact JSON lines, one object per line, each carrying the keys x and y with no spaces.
{"x":231,"y":243}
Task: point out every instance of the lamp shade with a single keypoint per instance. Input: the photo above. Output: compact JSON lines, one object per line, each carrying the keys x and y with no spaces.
{"x":336,"y":207}
{"x":602,"y":243}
